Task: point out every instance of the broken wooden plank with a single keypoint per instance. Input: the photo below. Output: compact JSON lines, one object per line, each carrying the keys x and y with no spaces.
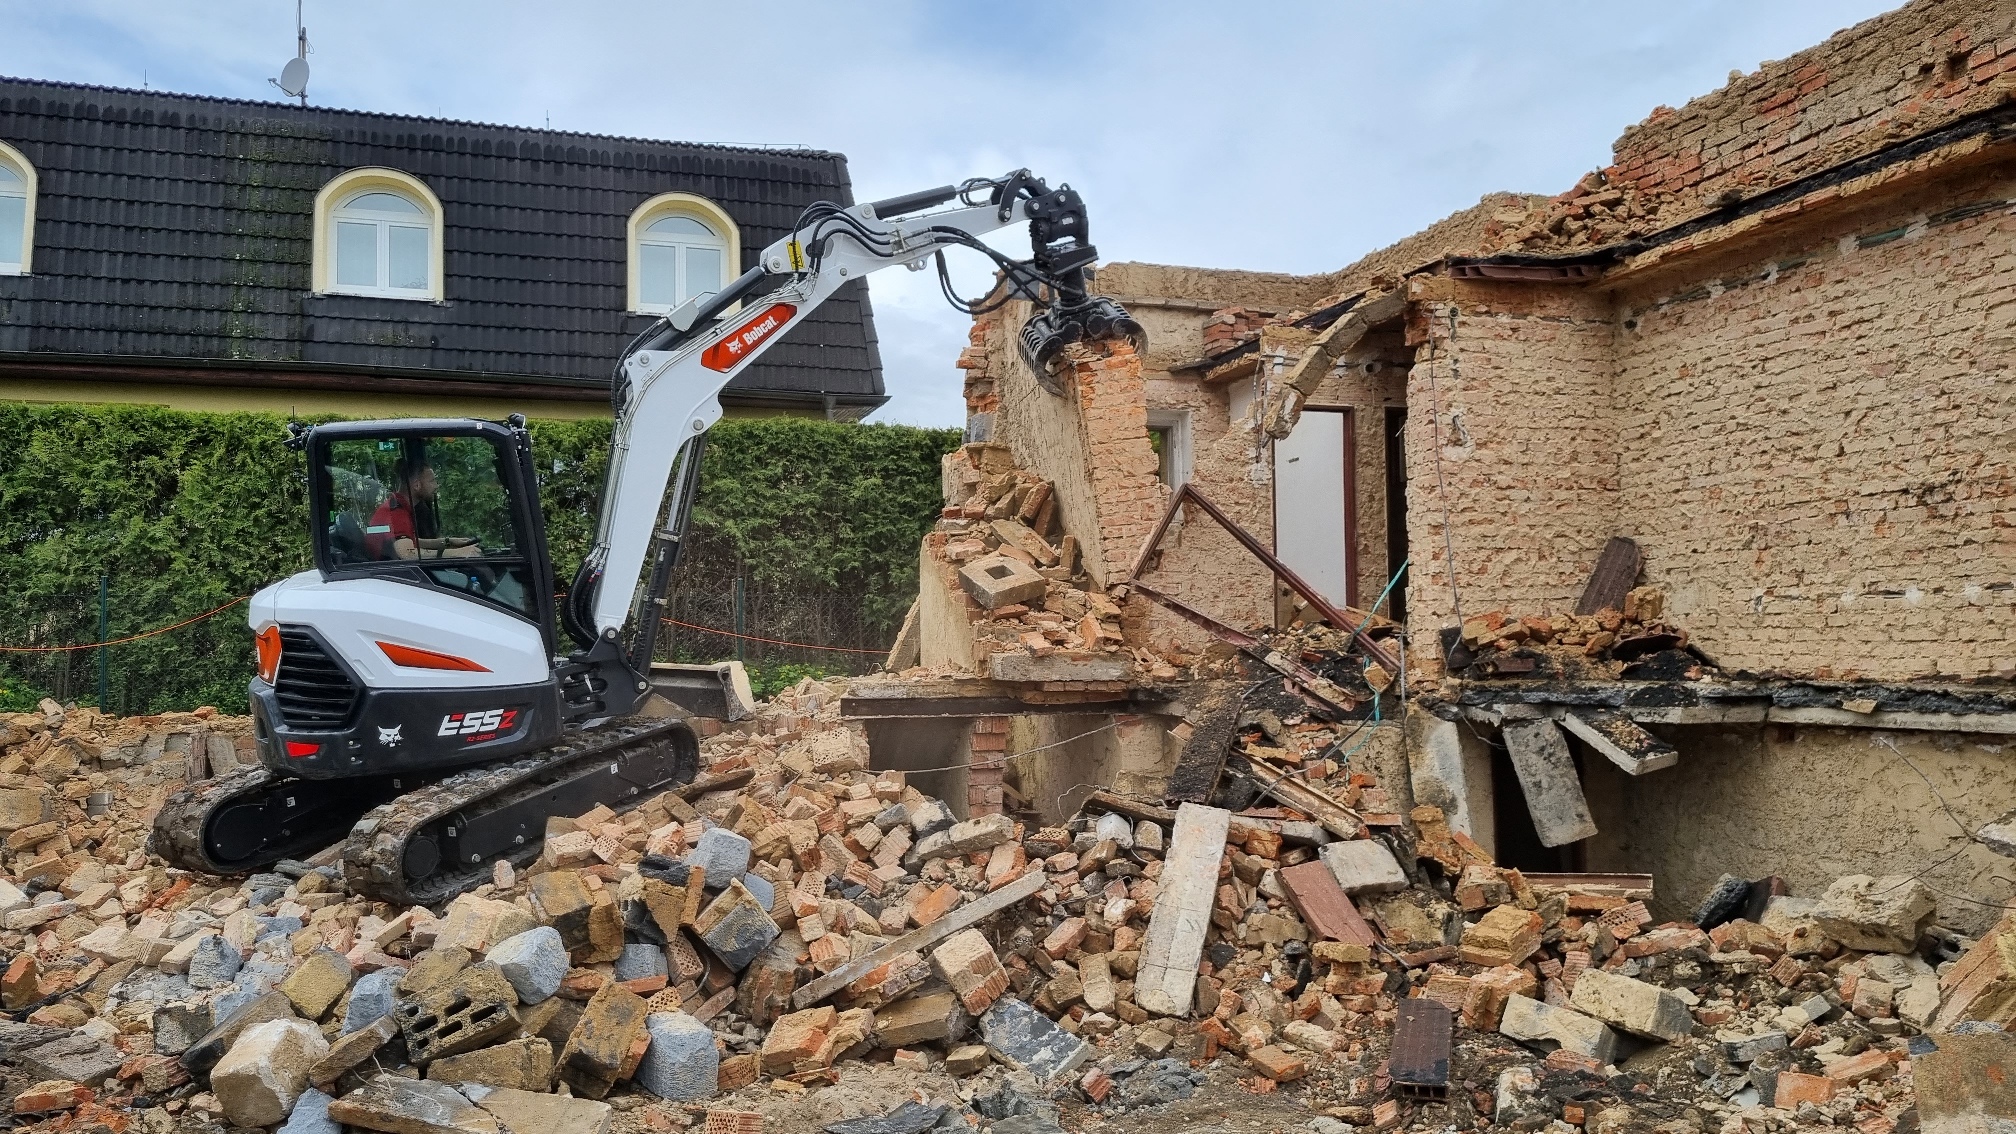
{"x":1615,"y":574}
{"x":726,"y":781}
{"x":1135,"y":809}
{"x":1202,"y":761}
{"x":1278,"y":782}
{"x":1325,"y":908}
{"x":1625,"y":887}
{"x":1167,"y":976}
{"x":1620,"y":740}
{"x":1547,"y":777}
{"x":919,"y":938}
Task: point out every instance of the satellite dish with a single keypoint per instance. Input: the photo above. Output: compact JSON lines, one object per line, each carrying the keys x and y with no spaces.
{"x":294,"y":77}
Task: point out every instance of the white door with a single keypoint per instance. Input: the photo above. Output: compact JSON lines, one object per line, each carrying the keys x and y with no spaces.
{"x":1311,"y":500}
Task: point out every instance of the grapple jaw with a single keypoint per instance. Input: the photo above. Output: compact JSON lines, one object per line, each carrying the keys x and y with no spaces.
{"x":1093,"y":319}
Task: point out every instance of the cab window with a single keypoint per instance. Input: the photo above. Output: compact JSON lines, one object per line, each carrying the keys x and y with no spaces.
{"x":439,"y":504}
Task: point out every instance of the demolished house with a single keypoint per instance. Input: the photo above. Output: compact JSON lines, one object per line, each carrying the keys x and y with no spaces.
{"x":1552,"y":674}
{"x":1698,"y":472}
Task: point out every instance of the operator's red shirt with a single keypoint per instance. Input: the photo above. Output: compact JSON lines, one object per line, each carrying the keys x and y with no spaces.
{"x":392,"y":521}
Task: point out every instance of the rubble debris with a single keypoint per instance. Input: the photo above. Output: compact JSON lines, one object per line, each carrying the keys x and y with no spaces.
{"x":1122,"y":960}
{"x":1175,"y":939}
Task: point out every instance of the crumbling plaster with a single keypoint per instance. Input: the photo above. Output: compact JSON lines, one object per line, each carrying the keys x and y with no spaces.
{"x":1808,"y":805}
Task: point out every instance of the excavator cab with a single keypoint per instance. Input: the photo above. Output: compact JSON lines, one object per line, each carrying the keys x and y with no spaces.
{"x":452,"y":511}
{"x":363,"y":668}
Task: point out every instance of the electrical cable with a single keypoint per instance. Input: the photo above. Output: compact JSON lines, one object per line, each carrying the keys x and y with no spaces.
{"x":1441,"y":483}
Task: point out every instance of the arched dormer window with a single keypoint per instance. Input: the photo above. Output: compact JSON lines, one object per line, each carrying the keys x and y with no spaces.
{"x":17,"y":212}
{"x":378,"y":233}
{"x":681,"y":246}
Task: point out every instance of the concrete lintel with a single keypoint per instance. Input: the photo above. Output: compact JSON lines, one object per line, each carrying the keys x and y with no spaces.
{"x":2001,"y":724}
{"x":1620,"y":740}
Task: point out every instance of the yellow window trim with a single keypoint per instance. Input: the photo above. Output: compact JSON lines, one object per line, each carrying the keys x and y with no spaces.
{"x":681,"y":204}
{"x":360,"y":180}
{"x":19,"y":162}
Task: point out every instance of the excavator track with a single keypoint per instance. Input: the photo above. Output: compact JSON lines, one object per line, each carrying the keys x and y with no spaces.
{"x":252,"y":819}
{"x":426,"y":846}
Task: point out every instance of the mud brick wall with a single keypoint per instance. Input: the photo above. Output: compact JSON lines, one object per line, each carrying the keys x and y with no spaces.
{"x":1887,"y":78}
{"x":1820,"y":443}
{"x":1528,"y":448}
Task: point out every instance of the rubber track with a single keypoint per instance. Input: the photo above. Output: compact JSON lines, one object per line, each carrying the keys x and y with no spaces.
{"x":178,"y":826}
{"x":375,"y":852}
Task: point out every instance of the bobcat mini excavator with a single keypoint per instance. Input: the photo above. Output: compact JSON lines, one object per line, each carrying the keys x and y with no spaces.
{"x":413,"y":687}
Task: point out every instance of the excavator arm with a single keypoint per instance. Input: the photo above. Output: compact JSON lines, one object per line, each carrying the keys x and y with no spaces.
{"x":667,"y":386}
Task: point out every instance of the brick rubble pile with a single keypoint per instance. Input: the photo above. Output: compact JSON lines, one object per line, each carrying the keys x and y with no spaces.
{"x":694,"y":957}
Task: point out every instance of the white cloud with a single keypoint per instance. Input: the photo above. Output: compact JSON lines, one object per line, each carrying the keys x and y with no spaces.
{"x":1288,"y":137}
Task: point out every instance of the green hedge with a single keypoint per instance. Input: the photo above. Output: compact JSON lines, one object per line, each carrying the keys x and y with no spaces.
{"x":185,"y":511}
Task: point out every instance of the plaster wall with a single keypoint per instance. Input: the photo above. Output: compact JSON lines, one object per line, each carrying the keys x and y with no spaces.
{"x":1809,"y":805}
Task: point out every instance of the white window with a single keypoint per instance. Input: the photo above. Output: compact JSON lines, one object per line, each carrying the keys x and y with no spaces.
{"x":382,"y":244}
{"x":681,"y":246}
{"x":378,"y":232}
{"x":677,"y":258}
{"x":17,"y":211}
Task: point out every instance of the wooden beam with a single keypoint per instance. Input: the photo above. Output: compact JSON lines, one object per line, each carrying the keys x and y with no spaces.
{"x":916,"y":939}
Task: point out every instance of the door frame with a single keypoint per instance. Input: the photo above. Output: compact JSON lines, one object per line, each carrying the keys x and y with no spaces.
{"x":1350,"y":465}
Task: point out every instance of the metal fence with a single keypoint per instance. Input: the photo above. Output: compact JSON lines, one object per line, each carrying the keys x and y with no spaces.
{"x":826,"y":630}
{"x":48,"y":651}
{"x":208,"y":661}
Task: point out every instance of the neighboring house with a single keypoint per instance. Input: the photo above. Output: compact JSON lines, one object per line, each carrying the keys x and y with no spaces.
{"x":210,"y":253}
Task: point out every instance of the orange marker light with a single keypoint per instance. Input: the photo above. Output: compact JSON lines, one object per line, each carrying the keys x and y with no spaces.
{"x":414,"y":658}
{"x":269,"y":653}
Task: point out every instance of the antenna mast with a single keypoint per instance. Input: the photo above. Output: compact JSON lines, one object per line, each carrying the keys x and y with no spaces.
{"x":293,"y":80}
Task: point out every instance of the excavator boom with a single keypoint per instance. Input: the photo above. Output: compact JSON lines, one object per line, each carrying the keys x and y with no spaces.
{"x":416,"y":688}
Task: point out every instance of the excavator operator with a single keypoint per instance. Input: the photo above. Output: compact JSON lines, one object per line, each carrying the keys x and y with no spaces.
{"x":404,"y":526}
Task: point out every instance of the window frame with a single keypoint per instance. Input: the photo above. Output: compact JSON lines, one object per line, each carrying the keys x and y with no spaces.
{"x":18,"y":163}
{"x":346,"y":187}
{"x":693,"y":207}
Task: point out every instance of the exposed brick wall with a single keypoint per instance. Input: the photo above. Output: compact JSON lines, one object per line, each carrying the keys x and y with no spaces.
{"x":1112,"y":403}
{"x":1529,"y":449}
{"x":1200,"y":563}
{"x":1821,"y":460}
{"x":1897,"y":76}
{"x":1091,"y":443}
{"x":1887,"y":78}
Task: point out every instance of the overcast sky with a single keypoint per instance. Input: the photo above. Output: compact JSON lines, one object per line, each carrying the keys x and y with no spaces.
{"x":1282,"y":137}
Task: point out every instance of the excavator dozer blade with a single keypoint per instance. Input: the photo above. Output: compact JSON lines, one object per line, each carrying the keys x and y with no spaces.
{"x":720,"y":690}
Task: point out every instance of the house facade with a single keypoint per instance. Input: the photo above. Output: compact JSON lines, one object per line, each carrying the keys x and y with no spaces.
{"x":206,"y":253}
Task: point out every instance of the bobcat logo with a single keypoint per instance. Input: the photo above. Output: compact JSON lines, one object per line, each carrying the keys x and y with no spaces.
{"x":389,"y":737}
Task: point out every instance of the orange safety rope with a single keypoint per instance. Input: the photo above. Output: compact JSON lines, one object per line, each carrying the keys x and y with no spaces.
{"x":774,"y":641}
{"x":243,"y":598}
{"x":122,"y":641}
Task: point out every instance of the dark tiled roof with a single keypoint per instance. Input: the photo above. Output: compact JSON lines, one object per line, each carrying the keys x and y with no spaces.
{"x":178,"y":226}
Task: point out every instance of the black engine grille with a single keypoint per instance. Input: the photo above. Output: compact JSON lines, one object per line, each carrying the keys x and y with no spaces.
{"x":313,"y":690}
